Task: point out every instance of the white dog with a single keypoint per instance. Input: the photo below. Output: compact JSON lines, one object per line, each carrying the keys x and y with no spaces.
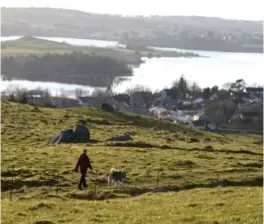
{"x":116,"y":176}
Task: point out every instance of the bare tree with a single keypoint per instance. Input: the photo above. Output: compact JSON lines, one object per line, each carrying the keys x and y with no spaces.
{"x":238,"y":86}
{"x":63,"y":93}
{"x":79,"y":92}
{"x":137,"y":88}
{"x":227,"y":85}
{"x":101,"y":95}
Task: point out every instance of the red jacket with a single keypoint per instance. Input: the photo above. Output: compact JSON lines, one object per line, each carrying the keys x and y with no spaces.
{"x":83,"y":162}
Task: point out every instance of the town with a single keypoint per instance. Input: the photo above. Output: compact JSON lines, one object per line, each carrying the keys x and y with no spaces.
{"x":236,"y":105}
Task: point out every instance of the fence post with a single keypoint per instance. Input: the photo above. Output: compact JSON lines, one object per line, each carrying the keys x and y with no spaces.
{"x":247,"y":175}
{"x":158,"y":178}
{"x":95,"y":186}
{"x":12,"y":181}
{"x":57,"y":185}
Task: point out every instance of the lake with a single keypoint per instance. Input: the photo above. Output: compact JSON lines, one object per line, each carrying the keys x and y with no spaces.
{"x":157,"y":73}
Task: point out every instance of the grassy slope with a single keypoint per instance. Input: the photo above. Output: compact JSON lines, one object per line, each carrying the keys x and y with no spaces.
{"x":25,"y":131}
{"x":31,"y":45}
{"x":210,"y":206}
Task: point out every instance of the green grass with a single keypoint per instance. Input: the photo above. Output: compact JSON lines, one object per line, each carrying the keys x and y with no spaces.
{"x":32,"y":45}
{"x":180,"y":155}
{"x":35,"y":46}
{"x":212,"y":206}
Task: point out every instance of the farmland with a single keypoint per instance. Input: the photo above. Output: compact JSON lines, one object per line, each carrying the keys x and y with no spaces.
{"x":205,"y":177}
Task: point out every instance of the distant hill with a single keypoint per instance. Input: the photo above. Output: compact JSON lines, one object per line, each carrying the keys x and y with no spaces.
{"x":32,"y":45}
{"x":32,"y":42}
{"x":72,"y":23}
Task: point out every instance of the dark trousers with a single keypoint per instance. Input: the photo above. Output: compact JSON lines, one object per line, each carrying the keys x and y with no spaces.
{"x":82,"y":179}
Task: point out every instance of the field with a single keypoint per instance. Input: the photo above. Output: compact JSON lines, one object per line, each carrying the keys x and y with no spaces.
{"x":35,"y":46}
{"x":205,"y":177}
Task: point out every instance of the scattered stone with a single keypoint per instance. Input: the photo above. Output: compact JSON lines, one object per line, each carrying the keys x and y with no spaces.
{"x":130,"y":133}
{"x":182,"y":139}
{"x":193,"y":140}
{"x":21,"y":214}
{"x":93,"y":141}
{"x":135,"y":194}
{"x":107,"y":107}
{"x":259,"y":142}
{"x":36,"y":109}
{"x":17,"y":191}
{"x":65,"y":116}
{"x":43,"y":121}
{"x":207,"y":140}
{"x":44,"y":222}
{"x":222,"y":182}
{"x":101,"y":195}
{"x":120,"y":138}
{"x":185,"y":163}
{"x":132,"y":144}
{"x":208,"y":147}
{"x":165,"y":147}
{"x":160,"y":190}
{"x":169,"y":139}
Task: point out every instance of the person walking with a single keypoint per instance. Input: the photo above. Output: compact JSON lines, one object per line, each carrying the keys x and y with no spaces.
{"x":84,"y":163}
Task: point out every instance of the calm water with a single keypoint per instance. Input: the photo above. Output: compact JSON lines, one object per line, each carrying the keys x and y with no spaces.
{"x":158,"y":73}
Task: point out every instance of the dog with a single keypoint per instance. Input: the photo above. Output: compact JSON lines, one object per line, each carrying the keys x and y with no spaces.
{"x":116,"y":176}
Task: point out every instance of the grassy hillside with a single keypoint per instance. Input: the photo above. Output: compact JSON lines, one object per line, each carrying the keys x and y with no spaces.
{"x":36,"y":46}
{"x":73,"y":23}
{"x":32,"y":45}
{"x":190,"y":162}
{"x":162,"y":31}
{"x":222,"y":205}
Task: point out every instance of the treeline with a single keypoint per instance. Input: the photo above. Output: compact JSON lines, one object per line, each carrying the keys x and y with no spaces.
{"x":73,"y":68}
{"x":72,"y":23}
{"x":194,"y":43}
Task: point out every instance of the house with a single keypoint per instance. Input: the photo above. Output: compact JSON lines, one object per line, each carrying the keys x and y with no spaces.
{"x":204,"y":121}
{"x":249,"y":94}
{"x":63,"y":102}
{"x":122,"y":98}
{"x":255,"y":91}
{"x":251,"y":117}
{"x":39,"y":101}
{"x":90,"y":101}
{"x":199,"y":100}
{"x":168,"y":98}
{"x":213,"y":96}
{"x":172,"y":93}
{"x":141,"y":99}
{"x":248,"y":113}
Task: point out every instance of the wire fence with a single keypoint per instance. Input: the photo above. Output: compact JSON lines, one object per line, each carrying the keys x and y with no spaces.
{"x":97,"y":185}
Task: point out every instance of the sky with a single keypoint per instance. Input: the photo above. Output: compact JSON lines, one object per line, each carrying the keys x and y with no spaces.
{"x":228,"y":9}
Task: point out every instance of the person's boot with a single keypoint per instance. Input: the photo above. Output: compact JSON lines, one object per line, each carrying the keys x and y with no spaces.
{"x":79,"y":187}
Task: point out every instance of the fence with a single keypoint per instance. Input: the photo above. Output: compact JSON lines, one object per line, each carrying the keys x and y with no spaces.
{"x":97,"y":185}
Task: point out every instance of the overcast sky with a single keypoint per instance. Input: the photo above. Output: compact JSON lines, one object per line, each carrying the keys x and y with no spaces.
{"x":230,"y":9}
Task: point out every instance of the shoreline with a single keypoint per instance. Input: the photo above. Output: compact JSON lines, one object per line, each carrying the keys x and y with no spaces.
{"x":120,"y":43}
